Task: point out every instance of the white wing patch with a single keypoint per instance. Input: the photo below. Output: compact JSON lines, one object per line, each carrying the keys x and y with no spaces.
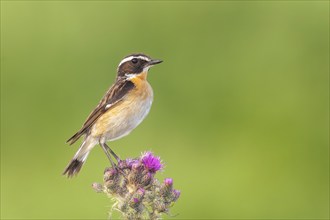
{"x":108,"y":106}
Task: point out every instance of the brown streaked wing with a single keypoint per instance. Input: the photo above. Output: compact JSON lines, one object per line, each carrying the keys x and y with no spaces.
{"x":113,"y":96}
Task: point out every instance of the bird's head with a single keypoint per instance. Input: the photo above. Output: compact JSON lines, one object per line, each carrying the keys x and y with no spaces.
{"x":135,"y":64}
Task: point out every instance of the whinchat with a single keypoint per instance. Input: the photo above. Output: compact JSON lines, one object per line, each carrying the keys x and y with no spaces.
{"x":123,"y":108}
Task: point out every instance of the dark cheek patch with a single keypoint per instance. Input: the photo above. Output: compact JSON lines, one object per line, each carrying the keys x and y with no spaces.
{"x":129,"y":67}
{"x":137,"y":69}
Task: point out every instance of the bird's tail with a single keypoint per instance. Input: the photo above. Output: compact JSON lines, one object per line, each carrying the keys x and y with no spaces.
{"x":79,"y":158}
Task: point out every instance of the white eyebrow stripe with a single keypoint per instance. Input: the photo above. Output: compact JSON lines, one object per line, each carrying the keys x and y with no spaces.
{"x":131,"y":57}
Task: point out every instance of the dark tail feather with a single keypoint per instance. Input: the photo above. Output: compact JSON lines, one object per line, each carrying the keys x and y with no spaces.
{"x":73,"y":168}
{"x":79,"y":158}
{"x":74,"y":138}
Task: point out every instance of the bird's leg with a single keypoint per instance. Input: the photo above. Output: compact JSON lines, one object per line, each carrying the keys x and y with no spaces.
{"x":113,"y":153}
{"x":118,"y":160}
{"x":104,"y":147}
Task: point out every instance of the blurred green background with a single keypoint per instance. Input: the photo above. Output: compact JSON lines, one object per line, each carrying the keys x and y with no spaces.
{"x":240,"y":115}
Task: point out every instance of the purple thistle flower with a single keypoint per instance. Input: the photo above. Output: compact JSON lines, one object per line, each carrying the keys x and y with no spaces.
{"x":152,"y":163}
{"x":136,"y":191}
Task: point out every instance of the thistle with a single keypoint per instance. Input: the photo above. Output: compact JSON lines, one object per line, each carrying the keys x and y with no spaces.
{"x":136,"y":191}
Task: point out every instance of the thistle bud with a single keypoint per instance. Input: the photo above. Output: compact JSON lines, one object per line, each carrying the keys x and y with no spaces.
{"x":168,"y":182}
{"x":123,"y":164}
{"x":160,"y":206}
{"x":134,"y":202}
{"x":140,"y":192}
{"x":110,"y":184}
{"x":176,"y":194}
{"x":97,"y":187}
{"x":166,"y":188}
{"x":145,"y":180}
{"x":110,"y":174}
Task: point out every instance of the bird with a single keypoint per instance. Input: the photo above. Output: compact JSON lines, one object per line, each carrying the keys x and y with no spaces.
{"x":123,"y":107}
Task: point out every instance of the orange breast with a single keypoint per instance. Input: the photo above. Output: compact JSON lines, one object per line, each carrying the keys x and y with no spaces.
{"x":126,"y":115}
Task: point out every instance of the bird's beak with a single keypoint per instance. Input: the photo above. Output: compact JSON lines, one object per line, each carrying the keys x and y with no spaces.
{"x":154,"y":62}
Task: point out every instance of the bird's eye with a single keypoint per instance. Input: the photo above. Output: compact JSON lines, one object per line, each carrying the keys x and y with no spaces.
{"x":134,"y":60}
